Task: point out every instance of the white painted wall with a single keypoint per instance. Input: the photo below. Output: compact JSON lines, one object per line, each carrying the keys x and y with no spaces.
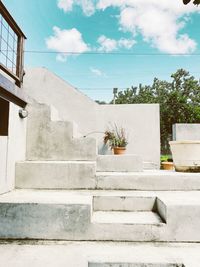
{"x":45,"y":87}
{"x":3,"y":162}
{"x":12,"y":149}
{"x":141,"y":122}
{"x":186,"y":131}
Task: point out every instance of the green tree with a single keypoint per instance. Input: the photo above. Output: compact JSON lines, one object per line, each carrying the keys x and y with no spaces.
{"x":179,"y":101}
{"x":195,"y":2}
{"x":100,"y":102}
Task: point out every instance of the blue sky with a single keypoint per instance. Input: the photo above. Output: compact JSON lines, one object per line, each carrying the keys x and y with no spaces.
{"x":105,"y":27}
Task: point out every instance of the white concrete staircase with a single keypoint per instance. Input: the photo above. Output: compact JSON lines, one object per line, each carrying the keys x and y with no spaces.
{"x":125,"y":210}
{"x":64,"y":192}
{"x":51,"y":139}
{"x":80,"y":215}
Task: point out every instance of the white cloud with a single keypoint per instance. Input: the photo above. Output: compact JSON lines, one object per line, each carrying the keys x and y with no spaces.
{"x":66,"y":5}
{"x":66,"y":40}
{"x":96,"y":71}
{"x":109,"y":45}
{"x":87,"y":6}
{"x":159,"y":22}
{"x":126,"y":43}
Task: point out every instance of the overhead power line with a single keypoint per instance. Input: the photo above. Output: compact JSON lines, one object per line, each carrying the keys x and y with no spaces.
{"x":110,"y":53}
{"x":105,"y":53}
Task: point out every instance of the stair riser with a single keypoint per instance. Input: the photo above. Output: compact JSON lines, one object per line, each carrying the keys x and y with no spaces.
{"x":149,"y":182}
{"x":62,"y":149}
{"x":55,"y":175}
{"x":43,"y":221}
{"x":120,"y":203}
{"x":116,"y":163}
{"x":74,"y":222}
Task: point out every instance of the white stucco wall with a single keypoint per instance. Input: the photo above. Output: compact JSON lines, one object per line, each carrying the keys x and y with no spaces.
{"x":186,"y":131}
{"x":3,"y":162}
{"x":45,"y":87}
{"x":12,"y":149}
{"x":140,"y":121}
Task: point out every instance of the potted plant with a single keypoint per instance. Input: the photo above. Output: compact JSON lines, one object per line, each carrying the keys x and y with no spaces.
{"x":167,"y":163}
{"x":117,"y":140}
{"x":186,"y":155}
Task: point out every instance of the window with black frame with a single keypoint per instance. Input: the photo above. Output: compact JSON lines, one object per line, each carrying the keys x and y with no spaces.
{"x":8,"y":46}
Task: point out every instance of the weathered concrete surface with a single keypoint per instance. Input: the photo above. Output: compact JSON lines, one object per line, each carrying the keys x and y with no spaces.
{"x":135,"y":265}
{"x":123,"y":203}
{"x":44,"y":216}
{"x":186,"y":131}
{"x":72,"y":105}
{"x":55,"y":174}
{"x":149,"y":180}
{"x":123,"y":217}
{"x":46,"y":87}
{"x":53,"y":140}
{"x":147,"y":165}
{"x":116,"y":163}
{"x":62,"y":254}
{"x":146,"y":180}
{"x":67,"y":215}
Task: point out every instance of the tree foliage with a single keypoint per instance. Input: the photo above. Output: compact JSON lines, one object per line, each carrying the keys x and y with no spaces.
{"x":195,"y":2}
{"x":179,"y":101}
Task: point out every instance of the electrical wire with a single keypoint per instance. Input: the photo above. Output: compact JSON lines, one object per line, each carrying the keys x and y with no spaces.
{"x":110,"y":53}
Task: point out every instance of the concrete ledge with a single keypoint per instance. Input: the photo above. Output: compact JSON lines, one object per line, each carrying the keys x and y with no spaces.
{"x":55,"y":174}
{"x":77,"y":254}
{"x":43,"y":221}
{"x":123,"y":203}
{"x":135,"y":264}
{"x":149,"y":180}
{"x":67,"y":215}
{"x":119,"y":163}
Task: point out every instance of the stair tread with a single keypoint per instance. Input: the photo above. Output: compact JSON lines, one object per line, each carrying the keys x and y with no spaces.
{"x":45,"y":197}
{"x":121,"y":217}
{"x":56,"y":161}
{"x":150,"y":173}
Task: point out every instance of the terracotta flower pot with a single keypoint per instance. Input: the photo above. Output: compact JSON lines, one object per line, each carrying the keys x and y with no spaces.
{"x":168,"y":166}
{"x":119,"y":150}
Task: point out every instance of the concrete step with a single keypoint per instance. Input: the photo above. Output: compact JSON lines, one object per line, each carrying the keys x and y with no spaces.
{"x":123,"y":203}
{"x":148,"y":180}
{"x":43,"y":215}
{"x":113,"y":217}
{"x":68,"y":215}
{"x":119,"y":163}
{"x":48,"y":139}
{"x":55,"y":174}
{"x":98,"y":254}
{"x":126,"y":264}
{"x":147,"y":165}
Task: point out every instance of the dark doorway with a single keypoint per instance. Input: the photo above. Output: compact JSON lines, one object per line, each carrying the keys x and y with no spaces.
{"x":4,"y":117}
